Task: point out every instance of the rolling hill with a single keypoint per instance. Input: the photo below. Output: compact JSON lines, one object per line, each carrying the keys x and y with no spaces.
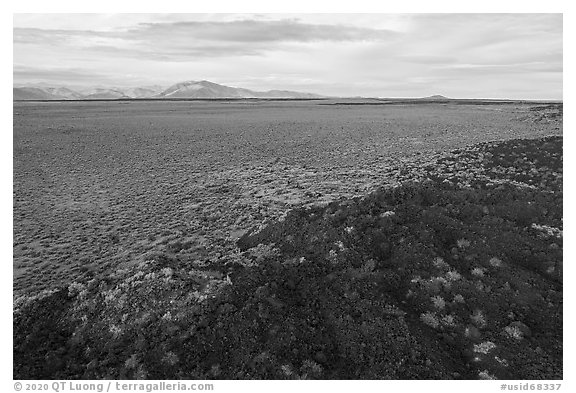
{"x":187,"y":89}
{"x":206,"y":89}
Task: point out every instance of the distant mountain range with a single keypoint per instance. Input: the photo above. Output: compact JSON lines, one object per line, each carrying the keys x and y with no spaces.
{"x":188,"y":89}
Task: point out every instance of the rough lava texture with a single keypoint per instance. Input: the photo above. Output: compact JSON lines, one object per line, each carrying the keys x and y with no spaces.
{"x":455,"y":273}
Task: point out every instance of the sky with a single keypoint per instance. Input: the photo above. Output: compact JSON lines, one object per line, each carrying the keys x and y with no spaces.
{"x":516,"y":56}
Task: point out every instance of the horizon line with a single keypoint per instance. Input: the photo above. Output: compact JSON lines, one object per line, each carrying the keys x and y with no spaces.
{"x":436,"y":96}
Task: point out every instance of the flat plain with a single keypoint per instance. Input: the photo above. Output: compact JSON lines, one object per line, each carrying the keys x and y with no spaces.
{"x":311,"y":239}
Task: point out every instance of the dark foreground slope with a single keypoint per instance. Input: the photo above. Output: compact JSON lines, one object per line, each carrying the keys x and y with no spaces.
{"x":454,"y":275}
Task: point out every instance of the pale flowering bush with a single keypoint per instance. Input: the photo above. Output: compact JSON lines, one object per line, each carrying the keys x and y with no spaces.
{"x":462,"y":243}
{"x":444,"y":282}
{"x":458,"y":298}
{"x":453,"y":275}
{"x":369,"y":266}
{"x":340,"y":245}
{"x":75,"y":288}
{"x":170,"y":358}
{"x":547,"y":232}
{"x":449,"y":320}
{"x":167,"y":272}
{"x":485,"y":375}
{"x":514,"y":332}
{"x":332,"y":256}
{"x":131,"y":362}
{"x":478,"y":318}
{"x":484,"y":347}
{"x":478,"y":272}
{"x":430,"y":319}
{"x":495,"y":262}
{"x":391,"y":309}
{"x":287,"y":370}
{"x":439,"y":302}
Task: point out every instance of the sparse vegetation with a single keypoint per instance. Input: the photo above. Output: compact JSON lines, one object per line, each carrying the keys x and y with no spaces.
{"x":454,"y":261}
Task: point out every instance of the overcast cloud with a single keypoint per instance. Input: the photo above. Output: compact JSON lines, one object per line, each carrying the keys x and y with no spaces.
{"x":457,"y":55}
